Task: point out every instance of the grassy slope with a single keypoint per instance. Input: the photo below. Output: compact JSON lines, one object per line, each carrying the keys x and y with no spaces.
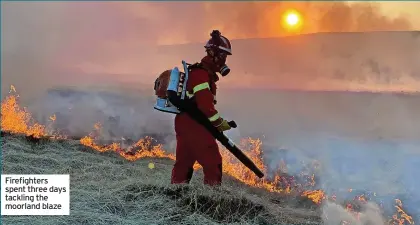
{"x":107,"y":189}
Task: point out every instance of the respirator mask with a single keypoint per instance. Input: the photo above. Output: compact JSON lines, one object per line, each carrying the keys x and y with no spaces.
{"x":220,"y":61}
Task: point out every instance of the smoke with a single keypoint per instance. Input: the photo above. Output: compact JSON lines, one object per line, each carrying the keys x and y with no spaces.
{"x":358,"y":17}
{"x":364,"y":142}
{"x":334,"y":214}
{"x":122,"y":114}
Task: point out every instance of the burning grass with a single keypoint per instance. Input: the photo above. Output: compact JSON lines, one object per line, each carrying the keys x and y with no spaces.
{"x":16,"y":120}
{"x":108,"y":190}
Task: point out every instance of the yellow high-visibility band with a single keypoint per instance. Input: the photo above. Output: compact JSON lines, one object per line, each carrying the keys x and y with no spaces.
{"x":214,"y":118}
{"x":201,"y":87}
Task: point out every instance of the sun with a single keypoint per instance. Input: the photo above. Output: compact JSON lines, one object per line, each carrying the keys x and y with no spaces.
{"x":292,"y":20}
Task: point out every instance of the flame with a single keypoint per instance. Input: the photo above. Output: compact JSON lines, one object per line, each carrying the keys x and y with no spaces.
{"x":400,"y":217}
{"x":316,"y":196}
{"x":16,"y":120}
{"x":142,"y":148}
{"x":362,"y":198}
{"x":19,"y":121}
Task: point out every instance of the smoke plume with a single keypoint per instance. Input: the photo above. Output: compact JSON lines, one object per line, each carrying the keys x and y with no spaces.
{"x":335,"y":214}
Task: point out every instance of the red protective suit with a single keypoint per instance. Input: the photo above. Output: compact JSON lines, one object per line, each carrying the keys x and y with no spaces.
{"x":194,"y":142}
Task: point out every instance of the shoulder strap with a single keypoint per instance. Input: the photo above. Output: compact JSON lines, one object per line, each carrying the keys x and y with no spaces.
{"x":196,"y":66}
{"x":200,"y":66}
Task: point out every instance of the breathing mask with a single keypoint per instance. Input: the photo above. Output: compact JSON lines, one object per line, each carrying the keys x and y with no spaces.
{"x":224,"y":70}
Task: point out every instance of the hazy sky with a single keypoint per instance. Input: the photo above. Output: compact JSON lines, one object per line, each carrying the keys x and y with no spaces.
{"x":54,"y":39}
{"x":410,"y":9}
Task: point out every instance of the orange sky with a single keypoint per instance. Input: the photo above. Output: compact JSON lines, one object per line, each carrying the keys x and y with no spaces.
{"x":410,"y":9}
{"x":163,"y":23}
{"x":264,"y":19}
{"x":120,"y":37}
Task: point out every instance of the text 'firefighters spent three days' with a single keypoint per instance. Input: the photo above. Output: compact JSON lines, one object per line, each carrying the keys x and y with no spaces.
{"x":35,"y":194}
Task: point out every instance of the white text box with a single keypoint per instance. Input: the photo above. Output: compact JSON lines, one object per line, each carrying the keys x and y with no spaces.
{"x":32,"y":194}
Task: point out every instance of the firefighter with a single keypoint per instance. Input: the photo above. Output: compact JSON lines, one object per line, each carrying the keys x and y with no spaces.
{"x":194,"y":142}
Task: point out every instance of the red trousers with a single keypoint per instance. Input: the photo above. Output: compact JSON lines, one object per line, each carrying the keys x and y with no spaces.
{"x":195,"y":143}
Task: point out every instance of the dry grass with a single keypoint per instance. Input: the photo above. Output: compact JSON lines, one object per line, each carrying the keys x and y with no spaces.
{"x":106,"y":189}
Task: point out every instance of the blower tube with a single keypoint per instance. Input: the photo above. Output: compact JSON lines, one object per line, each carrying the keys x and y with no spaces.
{"x":190,"y":108}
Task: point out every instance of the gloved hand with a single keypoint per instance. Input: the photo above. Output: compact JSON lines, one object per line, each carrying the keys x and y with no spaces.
{"x":224,"y":126}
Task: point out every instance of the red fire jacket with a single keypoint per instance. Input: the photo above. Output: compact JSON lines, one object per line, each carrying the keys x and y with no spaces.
{"x":201,"y":87}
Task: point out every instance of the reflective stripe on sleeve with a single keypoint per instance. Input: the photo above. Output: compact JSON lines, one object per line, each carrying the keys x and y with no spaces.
{"x":201,"y":87}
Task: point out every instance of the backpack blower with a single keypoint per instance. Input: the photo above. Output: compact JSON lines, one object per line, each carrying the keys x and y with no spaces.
{"x":170,"y":88}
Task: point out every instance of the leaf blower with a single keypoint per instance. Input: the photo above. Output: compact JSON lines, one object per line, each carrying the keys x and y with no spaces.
{"x":170,"y":89}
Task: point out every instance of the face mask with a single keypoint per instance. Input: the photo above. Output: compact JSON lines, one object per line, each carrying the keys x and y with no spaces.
{"x":224,"y":70}
{"x":216,"y":66}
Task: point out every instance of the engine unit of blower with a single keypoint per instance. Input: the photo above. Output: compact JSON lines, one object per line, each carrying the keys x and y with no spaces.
{"x":171,"y":80}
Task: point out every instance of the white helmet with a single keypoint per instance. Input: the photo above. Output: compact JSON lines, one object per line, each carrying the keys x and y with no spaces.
{"x":218,"y":44}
